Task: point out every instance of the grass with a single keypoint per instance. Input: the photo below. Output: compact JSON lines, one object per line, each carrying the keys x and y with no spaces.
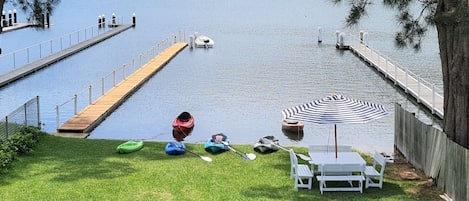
{"x":83,"y":169}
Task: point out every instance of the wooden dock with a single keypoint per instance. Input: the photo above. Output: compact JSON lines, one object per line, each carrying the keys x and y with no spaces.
{"x":91,"y":116}
{"x":424,"y":92}
{"x":21,"y":72}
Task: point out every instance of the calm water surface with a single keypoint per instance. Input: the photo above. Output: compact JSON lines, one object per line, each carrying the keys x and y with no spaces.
{"x":266,"y":58}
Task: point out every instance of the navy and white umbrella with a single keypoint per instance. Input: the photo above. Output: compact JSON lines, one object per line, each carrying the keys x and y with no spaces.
{"x":335,"y":109}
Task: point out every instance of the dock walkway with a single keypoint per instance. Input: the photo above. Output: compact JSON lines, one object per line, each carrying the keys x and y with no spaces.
{"x":17,"y":26}
{"x":91,"y":116}
{"x":424,"y":92}
{"x":27,"y":69}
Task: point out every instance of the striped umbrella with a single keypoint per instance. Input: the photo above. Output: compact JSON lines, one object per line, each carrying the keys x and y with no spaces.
{"x":335,"y":109}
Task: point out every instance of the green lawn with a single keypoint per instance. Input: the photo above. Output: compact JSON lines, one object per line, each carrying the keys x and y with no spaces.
{"x":83,"y":169}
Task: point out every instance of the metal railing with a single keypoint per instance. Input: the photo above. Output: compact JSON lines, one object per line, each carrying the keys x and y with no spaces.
{"x":11,"y":61}
{"x":393,"y":70}
{"x":98,"y":88}
{"x":26,"y":115}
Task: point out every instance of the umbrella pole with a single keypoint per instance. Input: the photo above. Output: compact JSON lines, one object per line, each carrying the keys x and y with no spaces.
{"x":335,"y":137}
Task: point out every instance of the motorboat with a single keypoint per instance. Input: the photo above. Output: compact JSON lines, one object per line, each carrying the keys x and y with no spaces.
{"x":201,"y":41}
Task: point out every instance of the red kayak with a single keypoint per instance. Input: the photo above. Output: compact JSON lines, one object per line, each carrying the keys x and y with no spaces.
{"x":183,"y":122}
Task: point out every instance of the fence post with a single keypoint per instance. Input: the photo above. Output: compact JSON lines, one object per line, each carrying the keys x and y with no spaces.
{"x":90,"y":91}
{"x":123,"y":72}
{"x":102,"y":86}
{"x":57,"y":119}
{"x":6,"y":126}
{"x":114,"y":78}
{"x":25,"y":114}
{"x":406,"y":75}
{"x":386,"y":74}
{"x":418,"y":89}
{"x":38,"y":113}
{"x":76,"y":104}
{"x":433,"y":98}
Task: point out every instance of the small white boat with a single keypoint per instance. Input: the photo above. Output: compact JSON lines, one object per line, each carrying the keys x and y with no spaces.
{"x":202,"y":41}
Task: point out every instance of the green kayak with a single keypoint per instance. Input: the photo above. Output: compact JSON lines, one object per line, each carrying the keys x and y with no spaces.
{"x":130,"y":146}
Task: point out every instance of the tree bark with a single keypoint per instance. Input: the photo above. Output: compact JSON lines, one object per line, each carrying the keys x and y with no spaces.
{"x":1,"y":9}
{"x":452,"y":23}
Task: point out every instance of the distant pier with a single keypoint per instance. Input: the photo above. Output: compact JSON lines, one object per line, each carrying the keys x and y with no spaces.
{"x":32,"y":67}
{"x":424,"y":92}
{"x":17,"y":26}
{"x":90,"y":117}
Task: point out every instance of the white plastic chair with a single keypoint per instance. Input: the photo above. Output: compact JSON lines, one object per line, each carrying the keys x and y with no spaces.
{"x":374,"y":174}
{"x":300,"y":172}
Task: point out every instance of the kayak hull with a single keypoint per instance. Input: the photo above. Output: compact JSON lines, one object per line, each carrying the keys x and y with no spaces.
{"x":214,"y":144}
{"x":266,"y":145}
{"x":129,"y":147}
{"x":175,"y":148}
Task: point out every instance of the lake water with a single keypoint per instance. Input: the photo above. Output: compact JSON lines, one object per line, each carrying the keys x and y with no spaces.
{"x":266,"y":58}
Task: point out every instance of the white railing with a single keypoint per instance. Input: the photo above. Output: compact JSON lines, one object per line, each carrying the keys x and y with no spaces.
{"x":95,"y":90}
{"x":394,"y":71}
{"x":11,"y":61}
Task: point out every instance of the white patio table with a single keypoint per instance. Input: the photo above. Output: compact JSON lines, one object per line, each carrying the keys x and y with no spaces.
{"x":338,"y":169}
{"x":320,"y":158}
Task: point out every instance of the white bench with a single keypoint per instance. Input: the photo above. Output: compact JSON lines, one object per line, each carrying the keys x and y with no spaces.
{"x":341,"y":172}
{"x":374,"y":174}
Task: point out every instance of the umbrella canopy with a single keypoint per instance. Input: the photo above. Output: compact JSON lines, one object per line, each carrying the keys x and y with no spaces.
{"x":335,"y":109}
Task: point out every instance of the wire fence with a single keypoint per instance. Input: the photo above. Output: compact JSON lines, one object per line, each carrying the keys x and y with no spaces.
{"x":26,"y":115}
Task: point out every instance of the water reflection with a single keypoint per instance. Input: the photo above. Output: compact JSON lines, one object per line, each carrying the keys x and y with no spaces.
{"x":295,"y":136}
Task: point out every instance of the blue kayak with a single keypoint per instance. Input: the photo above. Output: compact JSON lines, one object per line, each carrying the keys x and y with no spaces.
{"x":175,"y":148}
{"x":214,"y":144}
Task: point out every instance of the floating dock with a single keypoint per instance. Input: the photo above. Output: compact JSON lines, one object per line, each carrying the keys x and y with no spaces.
{"x":424,"y":92}
{"x":17,"y":26}
{"x":32,"y":67}
{"x":90,"y":117}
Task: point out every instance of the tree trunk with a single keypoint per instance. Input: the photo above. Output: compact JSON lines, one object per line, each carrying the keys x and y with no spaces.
{"x":1,"y":9}
{"x":452,"y":23}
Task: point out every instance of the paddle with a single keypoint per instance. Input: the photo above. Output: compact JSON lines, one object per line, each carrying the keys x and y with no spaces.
{"x":302,"y":156}
{"x":205,"y":158}
{"x":245,"y":156}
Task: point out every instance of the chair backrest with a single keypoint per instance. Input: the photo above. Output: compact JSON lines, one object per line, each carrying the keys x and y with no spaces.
{"x":293,"y":159}
{"x":329,"y":148}
{"x":379,"y":159}
{"x":341,"y":168}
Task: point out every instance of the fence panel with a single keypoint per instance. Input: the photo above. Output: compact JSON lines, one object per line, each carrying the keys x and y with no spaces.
{"x":26,"y":115}
{"x":429,"y":149}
